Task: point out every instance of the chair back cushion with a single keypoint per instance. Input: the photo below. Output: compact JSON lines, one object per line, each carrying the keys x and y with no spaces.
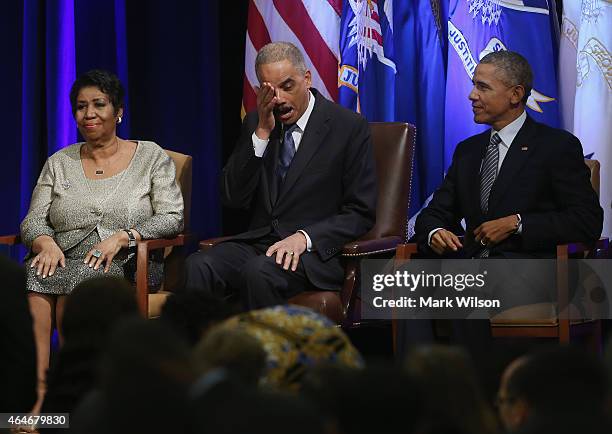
{"x":183,"y":165}
{"x":174,"y":257}
{"x":394,"y":144}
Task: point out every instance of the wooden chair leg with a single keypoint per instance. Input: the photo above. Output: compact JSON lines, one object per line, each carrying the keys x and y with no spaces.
{"x":564,"y":331}
{"x":142,"y":284}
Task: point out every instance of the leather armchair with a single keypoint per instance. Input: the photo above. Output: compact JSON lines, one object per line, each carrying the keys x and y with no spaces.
{"x":394,"y":145}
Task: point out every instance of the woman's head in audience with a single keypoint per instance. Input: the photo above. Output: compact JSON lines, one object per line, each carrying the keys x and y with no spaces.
{"x":145,"y":378}
{"x":295,"y":339}
{"x":381,"y":399}
{"x":240,"y":410}
{"x":192,"y":313}
{"x":452,"y":396}
{"x":235,"y":351}
{"x":512,"y":409}
{"x":553,"y":384}
{"x":94,"y":306}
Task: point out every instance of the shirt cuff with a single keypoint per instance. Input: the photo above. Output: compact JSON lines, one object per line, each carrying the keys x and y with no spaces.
{"x":431,"y":234}
{"x":308,"y":242}
{"x":259,"y":145}
{"x":519,"y":230}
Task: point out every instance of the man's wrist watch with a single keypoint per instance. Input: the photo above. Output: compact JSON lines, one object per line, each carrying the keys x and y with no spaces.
{"x":131,"y":240}
{"x":518,"y":223}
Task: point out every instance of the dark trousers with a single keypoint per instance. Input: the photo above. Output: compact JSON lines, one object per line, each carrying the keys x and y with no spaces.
{"x":238,"y":267}
{"x":472,"y":334}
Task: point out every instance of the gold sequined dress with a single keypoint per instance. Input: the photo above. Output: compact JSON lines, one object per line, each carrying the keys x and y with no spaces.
{"x":79,"y":212}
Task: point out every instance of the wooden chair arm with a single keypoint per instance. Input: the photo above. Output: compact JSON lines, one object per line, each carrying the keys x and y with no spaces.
{"x":144,"y":247}
{"x":572,"y":249}
{"x":368,"y":247}
{"x":160,"y":243}
{"x":355,"y":248}
{"x":352,"y":253}
{"x":10,"y":240}
{"x":404,"y":252}
{"x":212,"y":242}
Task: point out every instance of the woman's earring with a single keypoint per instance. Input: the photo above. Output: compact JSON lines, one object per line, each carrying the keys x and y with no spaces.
{"x":119,"y":119}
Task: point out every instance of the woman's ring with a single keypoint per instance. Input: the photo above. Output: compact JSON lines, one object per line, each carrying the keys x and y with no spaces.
{"x":291,"y":253}
{"x":96,"y":253}
{"x":483,"y":242}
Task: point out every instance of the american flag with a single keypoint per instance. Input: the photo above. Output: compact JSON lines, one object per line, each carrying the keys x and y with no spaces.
{"x":311,"y":25}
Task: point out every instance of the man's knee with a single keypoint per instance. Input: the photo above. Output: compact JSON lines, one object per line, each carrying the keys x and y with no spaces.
{"x":258,"y":268}
{"x":200,"y":260}
{"x":199,"y":271}
{"x":263,"y":283}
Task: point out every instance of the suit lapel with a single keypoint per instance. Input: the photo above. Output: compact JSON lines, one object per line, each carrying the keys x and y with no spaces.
{"x":316,"y":130}
{"x":474,"y":163}
{"x":517,"y":156}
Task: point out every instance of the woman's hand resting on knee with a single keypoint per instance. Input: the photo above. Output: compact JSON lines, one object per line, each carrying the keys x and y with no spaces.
{"x":48,"y":256}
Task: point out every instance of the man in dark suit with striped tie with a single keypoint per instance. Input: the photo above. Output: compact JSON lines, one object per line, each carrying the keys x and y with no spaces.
{"x":522,"y":187}
{"x":304,"y":166}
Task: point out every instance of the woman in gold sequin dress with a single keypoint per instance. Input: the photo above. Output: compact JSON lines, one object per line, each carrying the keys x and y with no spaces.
{"x":91,"y":202}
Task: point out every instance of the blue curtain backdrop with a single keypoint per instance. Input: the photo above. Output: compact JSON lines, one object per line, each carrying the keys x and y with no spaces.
{"x":166,"y":56}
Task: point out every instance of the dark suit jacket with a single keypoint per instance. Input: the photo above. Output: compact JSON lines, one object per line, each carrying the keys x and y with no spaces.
{"x":543,"y":178}
{"x":329,"y":190}
{"x":17,"y":349}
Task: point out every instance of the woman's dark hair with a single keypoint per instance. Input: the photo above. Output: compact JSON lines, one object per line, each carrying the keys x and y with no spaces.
{"x":95,"y":306}
{"x":452,"y":397}
{"x":106,"y":81}
{"x":191,"y":313}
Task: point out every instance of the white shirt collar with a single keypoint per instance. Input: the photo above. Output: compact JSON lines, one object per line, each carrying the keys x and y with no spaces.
{"x":303,"y":120}
{"x":509,"y":132}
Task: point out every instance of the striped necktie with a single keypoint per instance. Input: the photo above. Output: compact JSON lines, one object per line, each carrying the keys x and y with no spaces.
{"x":487,"y":178}
{"x":489,"y":171}
{"x":287,"y":152}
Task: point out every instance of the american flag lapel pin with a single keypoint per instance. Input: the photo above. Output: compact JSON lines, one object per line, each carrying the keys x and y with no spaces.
{"x":524,"y":148}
